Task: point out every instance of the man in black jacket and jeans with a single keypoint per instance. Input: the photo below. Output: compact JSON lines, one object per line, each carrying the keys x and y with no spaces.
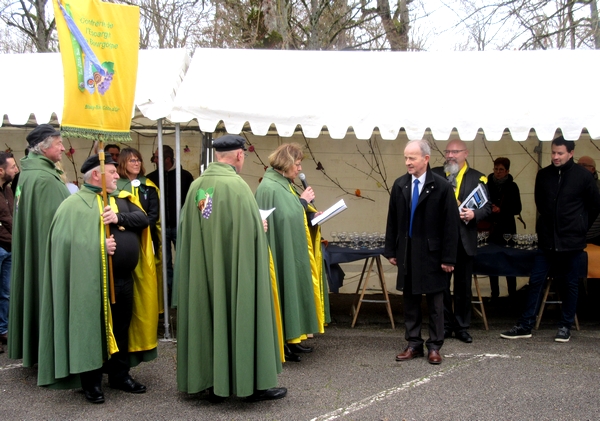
{"x":568,"y":201}
{"x":171,"y":205}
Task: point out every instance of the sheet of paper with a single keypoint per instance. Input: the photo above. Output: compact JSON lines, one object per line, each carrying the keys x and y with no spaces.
{"x":264,"y":214}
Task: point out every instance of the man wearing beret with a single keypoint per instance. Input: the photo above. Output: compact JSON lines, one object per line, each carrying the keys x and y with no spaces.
{"x":82,"y":334}
{"x":228,"y":338}
{"x":39,"y":192}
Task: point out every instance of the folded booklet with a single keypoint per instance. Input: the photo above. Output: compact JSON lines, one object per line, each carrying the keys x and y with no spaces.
{"x":329,"y":213}
{"x":476,"y":199}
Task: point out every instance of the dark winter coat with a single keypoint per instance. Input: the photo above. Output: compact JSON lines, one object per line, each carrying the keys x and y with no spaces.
{"x":435,"y":233}
{"x":468,"y":232}
{"x":508,"y":198}
{"x":568,"y":201}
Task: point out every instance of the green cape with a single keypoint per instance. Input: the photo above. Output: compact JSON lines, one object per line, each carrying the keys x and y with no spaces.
{"x":39,"y":193}
{"x":289,"y":244}
{"x":75,"y":333}
{"x":226,"y":336}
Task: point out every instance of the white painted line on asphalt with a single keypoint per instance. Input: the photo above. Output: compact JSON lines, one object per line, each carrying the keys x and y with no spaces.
{"x":11,"y":366}
{"x":365,"y":403}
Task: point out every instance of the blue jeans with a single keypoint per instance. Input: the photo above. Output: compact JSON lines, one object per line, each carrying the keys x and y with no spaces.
{"x":561,"y":265}
{"x":5,"y":264}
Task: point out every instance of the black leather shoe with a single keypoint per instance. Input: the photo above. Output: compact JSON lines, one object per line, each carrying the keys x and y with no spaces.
{"x":299,"y":349}
{"x":267,"y":395}
{"x":129,"y":385}
{"x":94,"y":395}
{"x":464,"y":336}
{"x":447,"y":334}
{"x":290,"y":356}
{"x":4,"y":338}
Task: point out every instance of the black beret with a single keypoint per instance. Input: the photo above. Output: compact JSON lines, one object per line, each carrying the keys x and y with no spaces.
{"x":229,"y":142}
{"x":93,"y":161}
{"x":41,"y":133}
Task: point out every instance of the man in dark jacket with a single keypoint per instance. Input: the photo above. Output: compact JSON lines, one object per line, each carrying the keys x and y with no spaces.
{"x":567,"y":201}
{"x":421,"y":239}
{"x":464,"y":179}
{"x":8,"y":169}
{"x":171,"y":205}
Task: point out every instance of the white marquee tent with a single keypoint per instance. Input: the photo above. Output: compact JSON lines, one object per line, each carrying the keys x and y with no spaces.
{"x":361,"y":91}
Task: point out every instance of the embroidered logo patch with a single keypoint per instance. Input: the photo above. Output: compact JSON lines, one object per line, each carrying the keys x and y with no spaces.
{"x":204,"y":201}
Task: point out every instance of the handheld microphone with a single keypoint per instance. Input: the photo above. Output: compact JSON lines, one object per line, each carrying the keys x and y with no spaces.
{"x":304,"y":183}
{"x":303,"y":180}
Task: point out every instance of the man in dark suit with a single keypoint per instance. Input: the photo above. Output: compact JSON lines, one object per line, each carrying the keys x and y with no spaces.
{"x":421,"y":239}
{"x":457,"y":317}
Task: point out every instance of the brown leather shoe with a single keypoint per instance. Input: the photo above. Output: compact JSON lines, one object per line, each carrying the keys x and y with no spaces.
{"x":434,"y":356}
{"x":408,"y":354}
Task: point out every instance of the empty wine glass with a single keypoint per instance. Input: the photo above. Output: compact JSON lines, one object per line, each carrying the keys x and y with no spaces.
{"x":514,"y":238}
{"x":382,"y":239}
{"x":333,"y":236}
{"x":363,"y":240}
{"x":342,"y":236}
{"x":485,"y":234}
{"x":507,"y":238}
{"x":356,"y":240}
{"x":375,"y":240}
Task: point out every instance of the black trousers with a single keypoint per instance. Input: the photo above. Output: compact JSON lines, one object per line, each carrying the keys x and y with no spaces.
{"x":457,"y":306}
{"x":117,"y":366}
{"x":511,"y":283}
{"x":413,"y":317}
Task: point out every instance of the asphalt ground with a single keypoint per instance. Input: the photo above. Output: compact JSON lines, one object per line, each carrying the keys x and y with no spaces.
{"x":352,"y":375}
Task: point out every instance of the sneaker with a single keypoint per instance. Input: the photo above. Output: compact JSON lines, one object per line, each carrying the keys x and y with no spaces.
{"x":516,"y":332}
{"x":563,"y":334}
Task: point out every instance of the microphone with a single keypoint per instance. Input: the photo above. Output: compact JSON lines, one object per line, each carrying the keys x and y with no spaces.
{"x":303,"y":179}
{"x":304,"y":183}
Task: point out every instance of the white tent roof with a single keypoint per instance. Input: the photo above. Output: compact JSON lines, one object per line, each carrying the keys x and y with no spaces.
{"x":33,"y":84}
{"x":492,"y":90}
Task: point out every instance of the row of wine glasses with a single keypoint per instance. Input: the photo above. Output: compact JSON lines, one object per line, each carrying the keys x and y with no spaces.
{"x":482,"y":237}
{"x":522,"y":241}
{"x":357,"y":241}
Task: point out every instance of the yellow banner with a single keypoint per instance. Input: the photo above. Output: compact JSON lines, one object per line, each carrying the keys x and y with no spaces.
{"x":99,"y":49}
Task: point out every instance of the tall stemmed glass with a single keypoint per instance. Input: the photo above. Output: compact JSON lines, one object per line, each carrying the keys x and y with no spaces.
{"x":333,"y":236}
{"x":485,"y":234}
{"x":507,"y":238}
{"x":342,"y":236}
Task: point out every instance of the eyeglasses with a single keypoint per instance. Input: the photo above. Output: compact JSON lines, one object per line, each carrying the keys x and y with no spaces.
{"x":135,"y":161}
{"x":453,"y":151}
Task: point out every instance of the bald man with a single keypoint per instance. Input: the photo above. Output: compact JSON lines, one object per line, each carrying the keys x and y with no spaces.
{"x":593,"y":234}
{"x":464,"y":179}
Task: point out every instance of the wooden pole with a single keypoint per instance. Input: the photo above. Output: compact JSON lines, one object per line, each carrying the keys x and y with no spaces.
{"x":107,"y":228}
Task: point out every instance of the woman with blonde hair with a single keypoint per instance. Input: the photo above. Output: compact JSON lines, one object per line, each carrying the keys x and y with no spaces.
{"x":296,"y":248}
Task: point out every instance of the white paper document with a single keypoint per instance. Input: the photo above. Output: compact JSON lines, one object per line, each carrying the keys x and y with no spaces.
{"x":329,"y":213}
{"x":264,"y":214}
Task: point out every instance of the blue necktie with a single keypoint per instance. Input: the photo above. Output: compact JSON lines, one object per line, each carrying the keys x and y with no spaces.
{"x":413,"y":205}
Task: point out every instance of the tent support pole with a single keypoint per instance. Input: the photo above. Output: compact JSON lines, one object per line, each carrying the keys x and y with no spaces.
{"x":163,"y":230}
